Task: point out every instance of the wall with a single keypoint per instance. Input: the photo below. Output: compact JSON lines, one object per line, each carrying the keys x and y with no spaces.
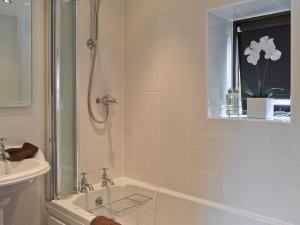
{"x":101,"y":145}
{"x":28,"y":124}
{"x":168,"y":139}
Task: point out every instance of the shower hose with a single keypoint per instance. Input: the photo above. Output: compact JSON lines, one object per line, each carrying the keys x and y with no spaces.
{"x":93,"y":45}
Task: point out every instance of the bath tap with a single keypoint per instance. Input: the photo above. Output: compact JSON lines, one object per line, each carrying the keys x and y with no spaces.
{"x":106,"y":181}
{"x":3,"y":154}
{"x":85,"y":186}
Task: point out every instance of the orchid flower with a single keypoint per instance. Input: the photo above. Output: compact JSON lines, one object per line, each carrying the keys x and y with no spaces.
{"x":253,"y":52}
{"x":265,"y":44}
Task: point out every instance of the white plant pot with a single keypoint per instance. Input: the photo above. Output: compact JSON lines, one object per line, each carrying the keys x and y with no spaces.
{"x":260,"y":108}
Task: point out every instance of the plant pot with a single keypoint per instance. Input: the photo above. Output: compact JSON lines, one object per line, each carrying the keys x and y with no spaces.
{"x":260,"y":108}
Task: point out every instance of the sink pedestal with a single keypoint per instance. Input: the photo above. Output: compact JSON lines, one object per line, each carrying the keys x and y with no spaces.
{"x":7,"y":193}
{"x":3,"y":202}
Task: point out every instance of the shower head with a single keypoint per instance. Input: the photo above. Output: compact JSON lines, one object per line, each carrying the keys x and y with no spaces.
{"x":94,"y":17}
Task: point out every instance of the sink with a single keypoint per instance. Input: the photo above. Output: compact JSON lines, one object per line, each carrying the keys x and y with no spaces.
{"x":16,"y":176}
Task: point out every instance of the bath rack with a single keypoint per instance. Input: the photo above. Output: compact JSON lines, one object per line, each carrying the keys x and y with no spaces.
{"x":124,"y":206}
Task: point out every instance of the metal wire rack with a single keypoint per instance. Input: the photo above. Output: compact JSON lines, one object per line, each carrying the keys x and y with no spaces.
{"x":124,"y":206}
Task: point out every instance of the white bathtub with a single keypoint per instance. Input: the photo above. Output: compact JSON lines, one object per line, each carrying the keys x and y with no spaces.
{"x":166,"y":208}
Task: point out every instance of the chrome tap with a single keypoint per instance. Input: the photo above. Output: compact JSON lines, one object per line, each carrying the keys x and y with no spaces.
{"x":85,"y":186}
{"x":3,"y":153}
{"x":105,"y":180}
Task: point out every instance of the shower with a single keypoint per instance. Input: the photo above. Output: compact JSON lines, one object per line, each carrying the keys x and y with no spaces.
{"x":93,"y":44}
{"x":62,"y":115}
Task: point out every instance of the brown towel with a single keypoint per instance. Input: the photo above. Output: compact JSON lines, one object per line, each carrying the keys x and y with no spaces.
{"x":102,"y":220}
{"x":26,"y":151}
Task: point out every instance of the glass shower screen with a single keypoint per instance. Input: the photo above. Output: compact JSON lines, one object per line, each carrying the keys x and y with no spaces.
{"x":63,"y":97}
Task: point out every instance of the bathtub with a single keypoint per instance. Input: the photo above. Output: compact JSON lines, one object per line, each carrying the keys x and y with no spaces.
{"x":165,"y":207}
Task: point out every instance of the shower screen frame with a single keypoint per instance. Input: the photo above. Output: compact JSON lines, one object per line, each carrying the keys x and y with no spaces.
{"x":54,"y":103}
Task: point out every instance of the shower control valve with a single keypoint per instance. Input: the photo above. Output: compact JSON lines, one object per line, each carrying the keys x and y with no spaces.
{"x":107,"y":100}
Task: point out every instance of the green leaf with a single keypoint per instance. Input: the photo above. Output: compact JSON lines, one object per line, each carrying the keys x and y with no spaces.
{"x":246,"y":88}
{"x":269,"y":93}
{"x":259,"y":92}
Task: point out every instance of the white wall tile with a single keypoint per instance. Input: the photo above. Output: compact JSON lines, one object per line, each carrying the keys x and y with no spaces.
{"x":142,"y":68}
{"x":283,"y":142}
{"x":245,"y":182}
{"x":206,"y":173}
{"x":143,"y":114}
{"x":225,"y":161}
{"x":172,"y":20}
{"x":173,"y":167}
{"x":284,"y":189}
{"x":173,"y":114}
{"x":248,"y":139}
{"x":129,"y":157}
{"x":141,"y":22}
{"x":196,"y":63}
{"x":146,"y":155}
{"x":172,"y":70}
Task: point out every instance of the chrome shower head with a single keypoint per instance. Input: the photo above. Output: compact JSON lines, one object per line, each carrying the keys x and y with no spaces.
{"x":94,"y":17}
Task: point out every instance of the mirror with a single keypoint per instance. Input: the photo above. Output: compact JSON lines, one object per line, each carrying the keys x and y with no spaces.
{"x":15,"y":53}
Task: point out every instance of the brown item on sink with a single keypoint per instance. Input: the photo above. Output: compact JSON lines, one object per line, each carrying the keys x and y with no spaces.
{"x":26,"y":151}
{"x":102,"y":220}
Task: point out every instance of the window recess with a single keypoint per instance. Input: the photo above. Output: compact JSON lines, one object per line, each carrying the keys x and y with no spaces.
{"x":230,"y":30}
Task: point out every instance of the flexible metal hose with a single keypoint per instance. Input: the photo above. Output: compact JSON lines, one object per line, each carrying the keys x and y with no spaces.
{"x":94,"y":49}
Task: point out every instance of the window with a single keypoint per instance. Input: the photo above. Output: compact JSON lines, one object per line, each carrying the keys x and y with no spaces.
{"x":277,"y":73}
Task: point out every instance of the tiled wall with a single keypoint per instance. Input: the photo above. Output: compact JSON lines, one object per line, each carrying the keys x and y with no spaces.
{"x":101,"y":145}
{"x":168,"y":139}
{"x":27,"y":124}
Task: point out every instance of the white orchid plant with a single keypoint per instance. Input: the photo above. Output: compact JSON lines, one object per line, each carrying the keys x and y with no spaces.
{"x":253,"y":53}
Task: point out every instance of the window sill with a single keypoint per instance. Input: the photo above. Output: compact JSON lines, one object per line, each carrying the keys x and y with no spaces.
{"x":275,"y":119}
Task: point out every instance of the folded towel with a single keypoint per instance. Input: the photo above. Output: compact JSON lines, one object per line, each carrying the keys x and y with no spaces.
{"x":26,"y":151}
{"x":102,"y":220}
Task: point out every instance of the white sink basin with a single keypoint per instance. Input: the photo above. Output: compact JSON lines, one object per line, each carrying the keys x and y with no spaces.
{"x":17,"y":172}
{"x":16,"y":176}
